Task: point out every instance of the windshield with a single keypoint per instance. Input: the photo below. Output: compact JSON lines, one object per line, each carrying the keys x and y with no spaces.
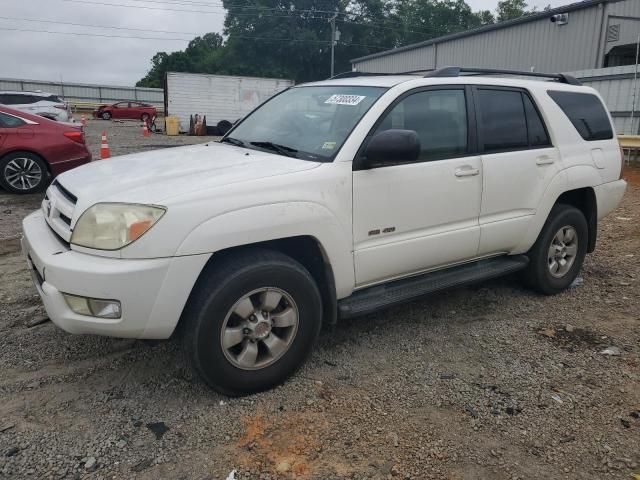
{"x":310,"y":123}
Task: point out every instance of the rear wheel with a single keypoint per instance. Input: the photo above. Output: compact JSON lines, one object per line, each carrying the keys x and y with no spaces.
{"x":558,"y":254}
{"x":23,"y":172}
{"x":251,"y":321}
{"x":106,"y":115}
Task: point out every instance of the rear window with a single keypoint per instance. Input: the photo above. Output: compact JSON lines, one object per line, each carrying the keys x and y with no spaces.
{"x":9,"y":121}
{"x":586,"y":112}
{"x":53,"y":98}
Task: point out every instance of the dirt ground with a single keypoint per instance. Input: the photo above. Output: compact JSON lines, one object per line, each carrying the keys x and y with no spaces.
{"x":485,"y":382}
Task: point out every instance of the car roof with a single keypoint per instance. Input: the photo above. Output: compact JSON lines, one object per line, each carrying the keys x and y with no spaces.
{"x":389,"y":81}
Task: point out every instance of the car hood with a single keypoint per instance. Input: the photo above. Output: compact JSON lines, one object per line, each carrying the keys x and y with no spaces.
{"x":154,"y":176}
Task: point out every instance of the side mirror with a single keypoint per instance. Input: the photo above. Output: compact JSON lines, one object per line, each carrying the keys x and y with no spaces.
{"x":391,"y":146}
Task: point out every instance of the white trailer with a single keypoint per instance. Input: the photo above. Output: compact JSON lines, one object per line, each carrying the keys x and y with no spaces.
{"x":219,"y":97}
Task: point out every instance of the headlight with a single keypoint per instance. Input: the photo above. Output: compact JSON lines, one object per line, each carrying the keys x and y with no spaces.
{"x":111,"y":226}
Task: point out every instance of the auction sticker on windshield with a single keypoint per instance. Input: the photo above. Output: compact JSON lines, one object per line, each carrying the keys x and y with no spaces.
{"x":345,"y":99}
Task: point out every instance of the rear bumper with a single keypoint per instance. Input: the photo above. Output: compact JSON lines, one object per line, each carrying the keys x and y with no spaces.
{"x":608,"y":196}
{"x":152,"y":292}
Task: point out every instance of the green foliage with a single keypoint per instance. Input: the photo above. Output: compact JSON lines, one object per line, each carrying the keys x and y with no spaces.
{"x":510,"y":9}
{"x":291,"y":38}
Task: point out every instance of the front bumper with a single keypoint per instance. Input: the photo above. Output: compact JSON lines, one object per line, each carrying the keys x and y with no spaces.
{"x":152,"y":292}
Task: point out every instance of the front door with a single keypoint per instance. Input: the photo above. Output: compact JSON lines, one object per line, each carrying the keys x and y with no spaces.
{"x":412,"y":217}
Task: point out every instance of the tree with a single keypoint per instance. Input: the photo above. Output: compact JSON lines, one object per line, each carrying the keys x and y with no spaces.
{"x":291,"y":38}
{"x":510,"y":9}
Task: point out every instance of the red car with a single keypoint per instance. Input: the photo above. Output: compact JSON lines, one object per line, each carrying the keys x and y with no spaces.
{"x":34,"y":149}
{"x":130,"y":110}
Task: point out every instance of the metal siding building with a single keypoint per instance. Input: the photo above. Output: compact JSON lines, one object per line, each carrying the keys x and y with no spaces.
{"x":598,"y":33}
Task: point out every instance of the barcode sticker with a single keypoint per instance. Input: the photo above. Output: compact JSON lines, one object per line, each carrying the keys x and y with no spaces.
{"x":345,"y":99}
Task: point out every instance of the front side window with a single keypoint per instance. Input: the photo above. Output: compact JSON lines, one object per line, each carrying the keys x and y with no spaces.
{"x":439,"y":117}
{"x":309,"y":123}
{"x":586,"y":112}
{"x":9,"y":121}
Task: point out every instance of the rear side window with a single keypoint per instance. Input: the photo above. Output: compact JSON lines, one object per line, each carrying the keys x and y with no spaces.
{"x":13,"y":99}
{"x":586,"y":112}
{"x":509,"y":120}
{"x":9,"y":121}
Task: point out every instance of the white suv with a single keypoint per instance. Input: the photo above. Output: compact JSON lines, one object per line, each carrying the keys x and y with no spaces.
{"x":332,"y":199}
{"x":39,"y":103}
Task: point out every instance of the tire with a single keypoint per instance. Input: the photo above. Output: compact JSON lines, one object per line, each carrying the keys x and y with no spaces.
{"x":106,"y":115}
{"x":221,"y":292}
{"x":224,"y":126}
{"x":23,"y":172}
{"x":565,"y":232}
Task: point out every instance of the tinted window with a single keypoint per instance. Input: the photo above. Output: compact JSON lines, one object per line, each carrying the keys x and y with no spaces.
{"x":439,"y":117}
{"x":502,"y":120}
{"x":586,"y":112}
{"x":8,"y":121}
{"x":537,"y":134}
{"x":15,"y":99}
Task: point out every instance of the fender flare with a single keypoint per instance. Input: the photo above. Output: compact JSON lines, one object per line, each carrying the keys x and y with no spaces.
{"x":261,"y":223}
{"x":572,"y":178}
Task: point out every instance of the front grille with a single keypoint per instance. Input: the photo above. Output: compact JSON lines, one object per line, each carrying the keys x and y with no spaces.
{"x":58,"y":206}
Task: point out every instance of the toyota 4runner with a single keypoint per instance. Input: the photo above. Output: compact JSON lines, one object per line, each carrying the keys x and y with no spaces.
{"x":332,"y":199}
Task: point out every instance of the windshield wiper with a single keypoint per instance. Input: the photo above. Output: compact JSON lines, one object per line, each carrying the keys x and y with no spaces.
{"x":281,"y":149}
{"x":232,"y":141}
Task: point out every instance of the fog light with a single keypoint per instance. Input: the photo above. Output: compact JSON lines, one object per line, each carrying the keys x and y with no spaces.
{"x":93,"y":307}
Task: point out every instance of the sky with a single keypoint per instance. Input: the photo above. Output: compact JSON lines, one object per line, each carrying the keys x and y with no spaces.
{"x":103,"y":57}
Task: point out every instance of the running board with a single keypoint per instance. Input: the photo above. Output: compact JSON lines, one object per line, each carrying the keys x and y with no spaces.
{"x":399,"y":291}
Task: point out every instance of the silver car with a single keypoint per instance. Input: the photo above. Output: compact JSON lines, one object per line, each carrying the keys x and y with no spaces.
{"x":44,"y":104}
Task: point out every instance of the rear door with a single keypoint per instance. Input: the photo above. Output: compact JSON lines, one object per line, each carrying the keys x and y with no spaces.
{"x":518,"y":163}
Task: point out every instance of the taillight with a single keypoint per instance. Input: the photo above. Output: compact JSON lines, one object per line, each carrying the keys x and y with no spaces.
{"x":621,"y":162}
{"x":77,"y":136}
{"x":60,"y":107}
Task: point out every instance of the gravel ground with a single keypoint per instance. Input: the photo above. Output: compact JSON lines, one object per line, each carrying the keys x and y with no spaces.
{"x":485,"y":382}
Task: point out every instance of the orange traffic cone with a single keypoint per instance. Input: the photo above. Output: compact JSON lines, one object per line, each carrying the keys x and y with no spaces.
{"x":104,"y":147}
{"x":145,"y":130}
{"x":83,"y":121}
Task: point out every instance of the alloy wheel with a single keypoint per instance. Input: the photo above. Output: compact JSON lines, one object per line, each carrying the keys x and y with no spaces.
{"x":23,"y":173}
{"x":259,"y":328}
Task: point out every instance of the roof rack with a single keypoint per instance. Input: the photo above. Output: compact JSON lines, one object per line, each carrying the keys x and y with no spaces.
{"x":456,"y":71}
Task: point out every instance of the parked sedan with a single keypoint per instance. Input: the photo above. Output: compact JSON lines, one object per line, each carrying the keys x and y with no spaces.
{"x":35,"y":149}
{"x":128,"y":110}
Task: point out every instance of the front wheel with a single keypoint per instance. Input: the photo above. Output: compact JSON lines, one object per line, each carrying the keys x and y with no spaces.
{"x":557,"y":256}
{"x":106,"y":115}
{"x":251,"y":321}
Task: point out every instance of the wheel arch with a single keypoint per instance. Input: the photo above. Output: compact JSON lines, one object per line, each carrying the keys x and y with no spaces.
{"x":584,"y":199}
{"x":33,"y":152}
{"x":305,"y":249}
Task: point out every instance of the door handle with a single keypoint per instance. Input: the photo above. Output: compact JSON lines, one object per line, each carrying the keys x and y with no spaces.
{"x":467,"y":172}
{"x":544,"y":160}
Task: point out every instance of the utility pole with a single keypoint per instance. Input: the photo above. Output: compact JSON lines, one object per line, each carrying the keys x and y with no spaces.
{"x":335,"y":35}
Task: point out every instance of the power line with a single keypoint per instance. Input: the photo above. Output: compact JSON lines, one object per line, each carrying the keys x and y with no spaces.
{"x":258,"y":11}
{"x":266,"y":39}
{"x":99,"y":26}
